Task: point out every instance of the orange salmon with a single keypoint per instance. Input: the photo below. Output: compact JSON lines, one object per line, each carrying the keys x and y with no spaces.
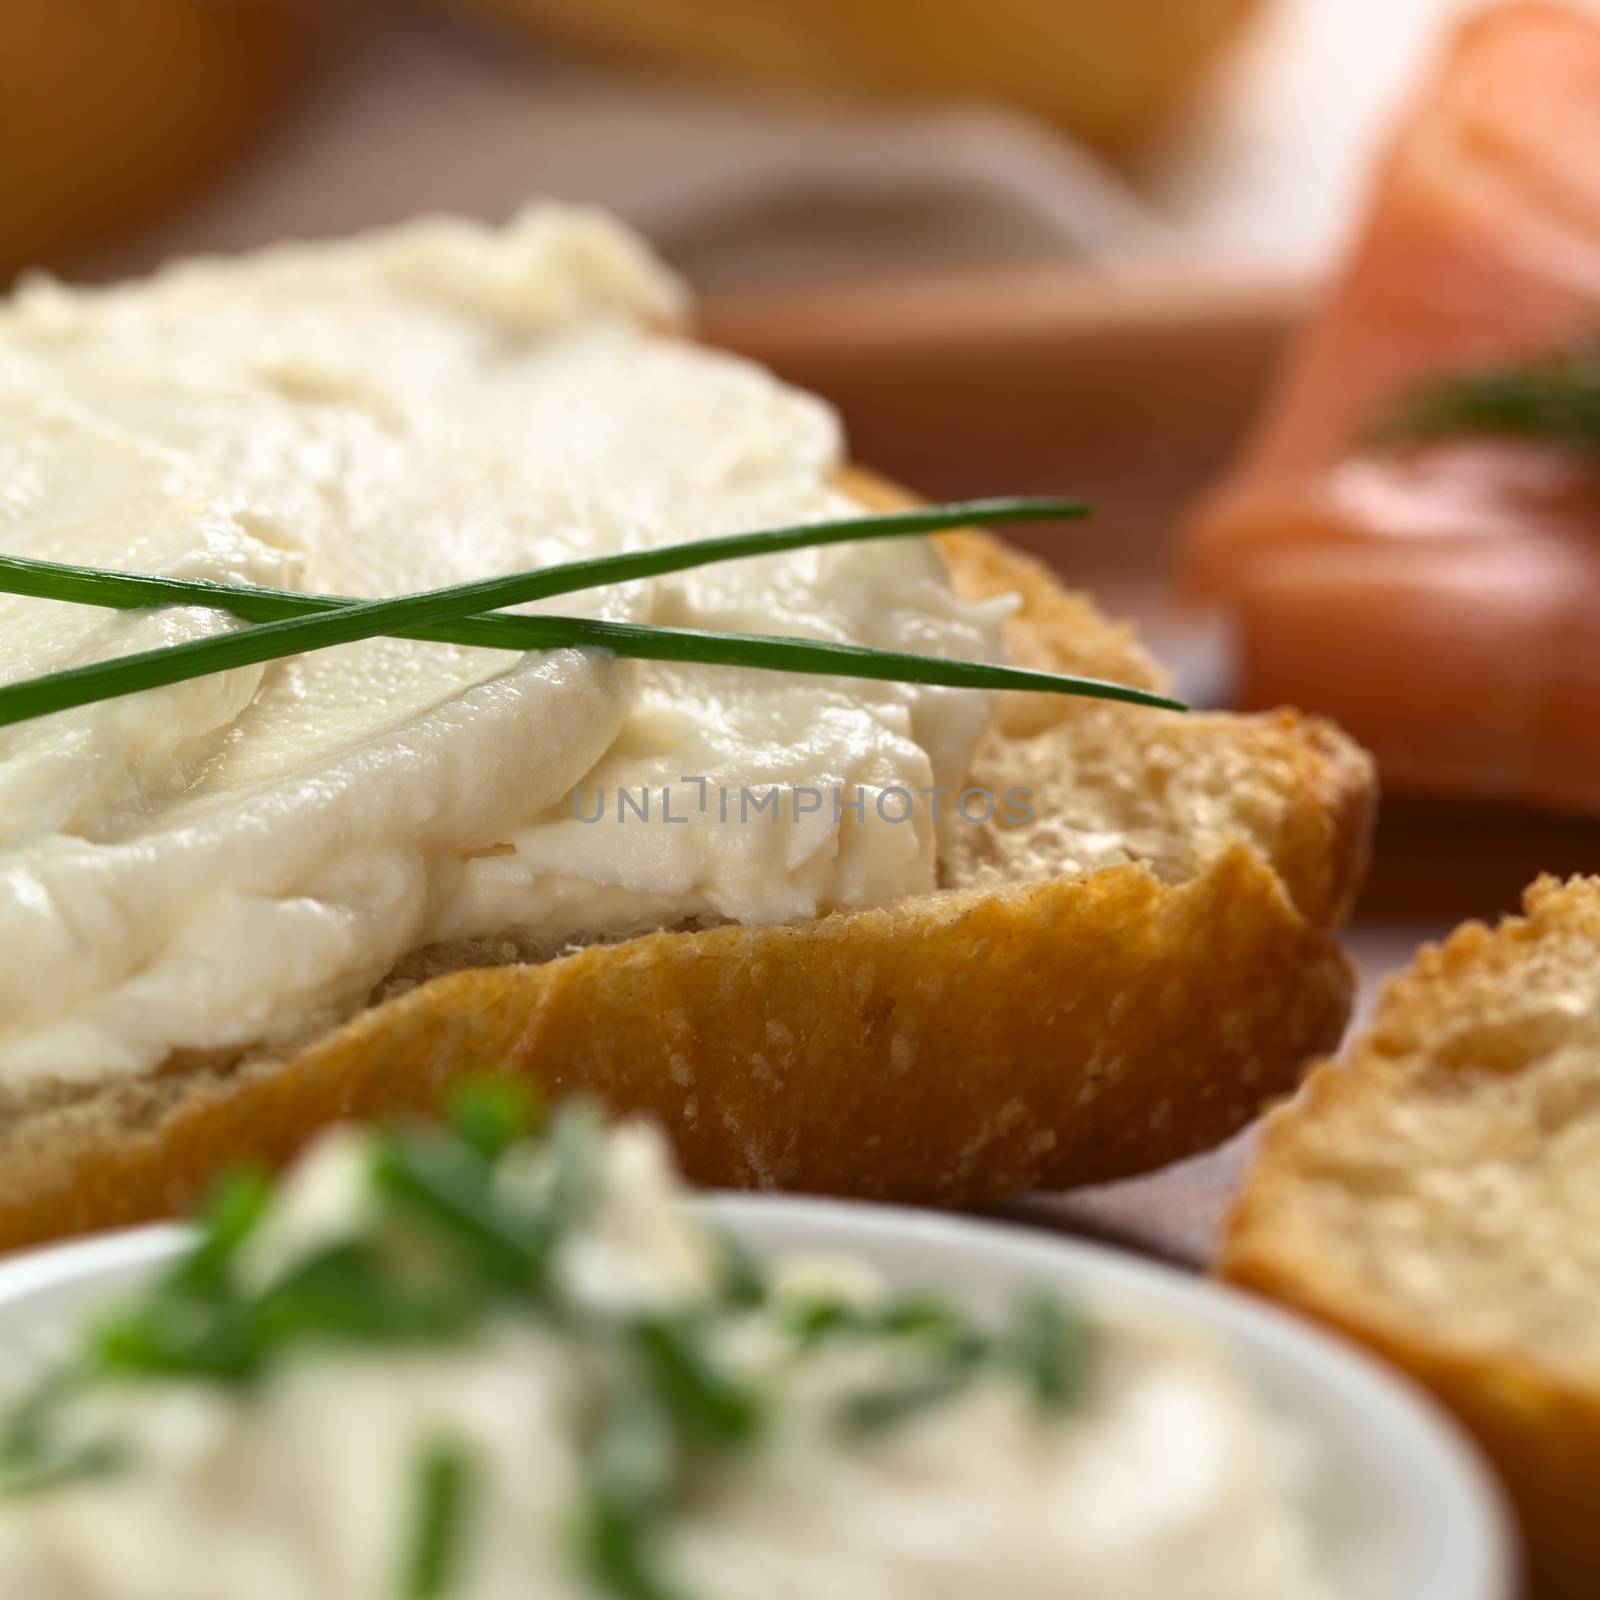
{"x":1441,"y":600}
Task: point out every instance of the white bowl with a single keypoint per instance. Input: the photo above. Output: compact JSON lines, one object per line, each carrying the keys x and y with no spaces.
{"x":1403,"y":1509}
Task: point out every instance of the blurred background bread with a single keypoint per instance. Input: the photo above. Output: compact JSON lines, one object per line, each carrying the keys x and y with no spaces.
{"x":1106,"y":69}
{"x":110,"y":109}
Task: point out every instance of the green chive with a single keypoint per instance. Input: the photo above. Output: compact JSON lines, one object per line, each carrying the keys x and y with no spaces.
{"x":633,"y":1466}
{"x":152,"y":669}
{"x":674,"y":1405}
{"x":103,"y":1458}
{"x":438,"y":1527}
{"x":172,"y":1336}
{"x":615,"y":1548}
{"x":875,"y":1411}
{"x":707,"y":1402}
{"x":574,"y":1141}
{"x":1047,"y":1343}
{"x":744,"y":1279}
{"x":346,"y":1296}
{"x":813,"y":1320}
{"x":298,"y":623}
{"x":635,"y":1457}
{"x":29,"y":1455}
{"x":129,"y":591}
{"x":235,"y":1211}
{"x":913,"y":1316}
{"x":446,"y":1186}
{"x":923,"y":1316}
{"x":490,"y":1114}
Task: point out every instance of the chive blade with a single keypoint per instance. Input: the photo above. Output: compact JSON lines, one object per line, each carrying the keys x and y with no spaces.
{"x":101,"y":1458}
{"x":234,"y":1213}
{"x":744,"y":1280}
{"x":438,"y":1525}
{"x":574,"y":1144}
{"x":296,"y":624}
{"x":1047,"y":1343}
{"x":489,"y":1115}
{"x":124,"y":675}
{"x":445,"y":1187}
{"x":871,"y":1412}
{"x":173,"y":1336}
{"x":50,"y":580}
{"x":344,"y":1296}
{"x":635,"y":1456}
{"x":633,"y":1468}
{"x":616,"y":1550}
{"x":707,"y":1402}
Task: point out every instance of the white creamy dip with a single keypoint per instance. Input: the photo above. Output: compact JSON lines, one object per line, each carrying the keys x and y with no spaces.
{"x":1159,"y":1481}
{"x":240,"y":859}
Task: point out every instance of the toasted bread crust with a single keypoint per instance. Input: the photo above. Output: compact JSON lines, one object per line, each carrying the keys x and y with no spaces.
{"x":1425,"y":1195}
{"x":114,"y":110}
{"x":854,"y":1054}
{"x":1121,"y":1017}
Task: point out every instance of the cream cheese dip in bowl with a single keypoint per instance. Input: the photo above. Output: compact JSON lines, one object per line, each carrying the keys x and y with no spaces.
{"x":459,"y":1366}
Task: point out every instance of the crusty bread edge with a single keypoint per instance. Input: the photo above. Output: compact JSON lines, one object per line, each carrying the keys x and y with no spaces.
{"x":1541,"y":1433}
{"x":951,"y":1048}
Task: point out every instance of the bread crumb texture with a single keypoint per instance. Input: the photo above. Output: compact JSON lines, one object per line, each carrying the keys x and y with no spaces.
{"x":1437,"y":1194}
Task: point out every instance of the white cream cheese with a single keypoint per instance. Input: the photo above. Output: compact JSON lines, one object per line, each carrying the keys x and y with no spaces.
{"x":1162,"y":1481}
{"x":241,"y":859}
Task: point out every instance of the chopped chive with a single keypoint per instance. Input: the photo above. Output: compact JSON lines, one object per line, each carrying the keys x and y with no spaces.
{"x":813,"y":1320}
{"x":27,"y":1447}
{"x":743,"y":1278}
{"x":572,"y":1146}
{"x":635,"y":1455}
{"x":634,"y":1464}
{"x":912,"y":1316}
{"x":615,"y":1548}
{"x":707,"y":1402}
{"x":1047,"y":1344}
{"x":234,"y":1212}
{"x":438,"y":1526}
{"x":173,"y":1336}
{"x":344,"y":1297}
{"x":922,"y":1316}
{"x":23,"y":1437}
{"x":672,"y":1406}
{"x":446,"y":1187}
{"x":102,"y":1458}
{"x":491,"y":1114}
{"x":880,"y":1410}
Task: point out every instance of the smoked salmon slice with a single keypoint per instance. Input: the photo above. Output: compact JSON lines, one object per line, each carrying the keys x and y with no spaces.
{"x":1440,"y":598}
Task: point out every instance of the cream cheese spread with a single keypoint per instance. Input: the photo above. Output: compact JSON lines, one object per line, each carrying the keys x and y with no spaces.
{"x":1160,"y":1479}
{"x":240,"y":859}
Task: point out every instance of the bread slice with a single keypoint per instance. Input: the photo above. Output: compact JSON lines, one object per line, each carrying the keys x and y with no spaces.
{"x":1437,"y":1194}
{"x":1111,"y":71}
{"x":1119,"y":983}
{"x":114,"y":111}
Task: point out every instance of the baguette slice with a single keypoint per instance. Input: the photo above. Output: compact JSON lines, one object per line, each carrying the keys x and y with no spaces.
{"x":1437,"y":1195}
{"x":114,"y":110}
{"x":1119,"y":983}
